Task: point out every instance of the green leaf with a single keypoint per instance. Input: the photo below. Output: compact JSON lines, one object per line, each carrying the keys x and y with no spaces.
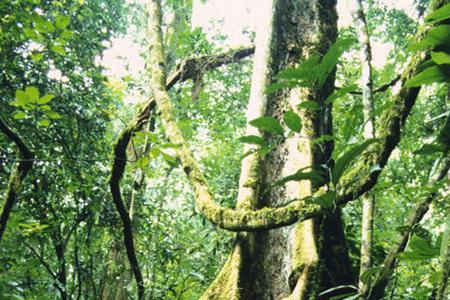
{"x":21,"y":98}
{"x":252,"y":139}
{"x":37,"y":57}
{"x":143,"y":162}
{"x":19,"y":115}
{"x":52,"y":114}
{"x":441,"y":57}
{"x":340,"y":93}
{"x":30,"y":33}
{"x":370,"y":273}
{"x":315,"y":176}
{"x":438,"y":15}
{"x":65,"y":35}
{"x":62,"y":22}
{"x":264,"y":150}
{"x":346,"y":159}
{"x":45,"y":99}
{"x":326,"y":200}
{"x":280,"y":85}
{"x":32,"y":93}
{"x":170,"y":159}
{"x":439,"y":35}
{"x":293,"y":121}
{"x":44,"y":122}
{"x":430,"y":75}
{"x":331,"y":58}
{"x":421,"y":45}
{"x":306,"y":71}
{"x":420,"y":249}
{"x":268,"y":124}
{"x":155,"y":152}
{"x":429,"y":149}
{"x":59,"y":49}
{"x":308,"y":105}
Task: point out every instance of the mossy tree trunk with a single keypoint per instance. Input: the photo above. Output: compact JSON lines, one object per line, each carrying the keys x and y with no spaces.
{"x":298,"y":261}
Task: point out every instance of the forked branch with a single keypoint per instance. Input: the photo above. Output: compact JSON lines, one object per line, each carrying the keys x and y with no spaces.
{"x":356,"y":183}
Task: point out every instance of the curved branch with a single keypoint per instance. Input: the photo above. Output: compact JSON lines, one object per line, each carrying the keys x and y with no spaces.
{"x":117,"y":171}
{"x":298,"y":210}
{"x":18,"y":174}
{"x":184,"y":71}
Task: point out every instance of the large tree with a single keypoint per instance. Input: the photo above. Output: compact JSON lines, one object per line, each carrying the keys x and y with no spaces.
{"x":257,"y":155}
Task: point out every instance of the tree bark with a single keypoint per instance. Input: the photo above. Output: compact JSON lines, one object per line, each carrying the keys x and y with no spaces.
{"x":284,"y":263}
{"x":17,"y":176}
{"x":368,"y":200}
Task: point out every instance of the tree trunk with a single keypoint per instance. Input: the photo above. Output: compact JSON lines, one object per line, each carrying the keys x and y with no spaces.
{"x":284,"y":263}
{"x":368,"y":200}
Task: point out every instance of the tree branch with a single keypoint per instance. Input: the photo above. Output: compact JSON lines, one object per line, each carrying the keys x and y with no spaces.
{"x":390,"y":262}
{"x":17,"y":175}
{"x":184,"y":71}
{"x":380,"y":89}
{"x":191,"y":67}
{"x":356,"y":183}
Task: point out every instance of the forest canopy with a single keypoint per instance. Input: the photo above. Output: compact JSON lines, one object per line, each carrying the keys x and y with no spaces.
{"x":148,"y":151}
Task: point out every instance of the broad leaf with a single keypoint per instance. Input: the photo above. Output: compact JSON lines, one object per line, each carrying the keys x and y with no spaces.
{"x":268,"y":124}
{"x":37,"y":57}
{"x":32,"y":93}
{"x":62,"y":22}
{"x":326,"y":200}
{"x":21,"y":98}
{"x":44,"y":122}
{"x":440,"y":58}
{"x":438,"y":15}
{"x":19,"y":115}
{"x":420,"y":249}
{"x":439,"y":35}
{"x":252,"y":139}
{"x":59,"y":49}
{"x":370,"y":273}
{"x":293,"y":121}
{"x":45,"y":99}
{"x":340,"y":93}
{"x":52,"y":115}
{"x":429,"y":149}
{"x":430,"y":75}
{"x":331,"y":58}
{"x":308,"y":105}
{"x":346,"y":159}
{"x":315,"y":176}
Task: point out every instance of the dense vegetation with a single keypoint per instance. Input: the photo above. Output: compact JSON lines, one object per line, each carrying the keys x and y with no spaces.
{"x":95,"y":202}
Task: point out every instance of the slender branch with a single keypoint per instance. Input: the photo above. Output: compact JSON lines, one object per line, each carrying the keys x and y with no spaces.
{"x":390,"y":262}
{"x":43,"y":262}
{"x":17,"y":175}
{"x":380,"y":89}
